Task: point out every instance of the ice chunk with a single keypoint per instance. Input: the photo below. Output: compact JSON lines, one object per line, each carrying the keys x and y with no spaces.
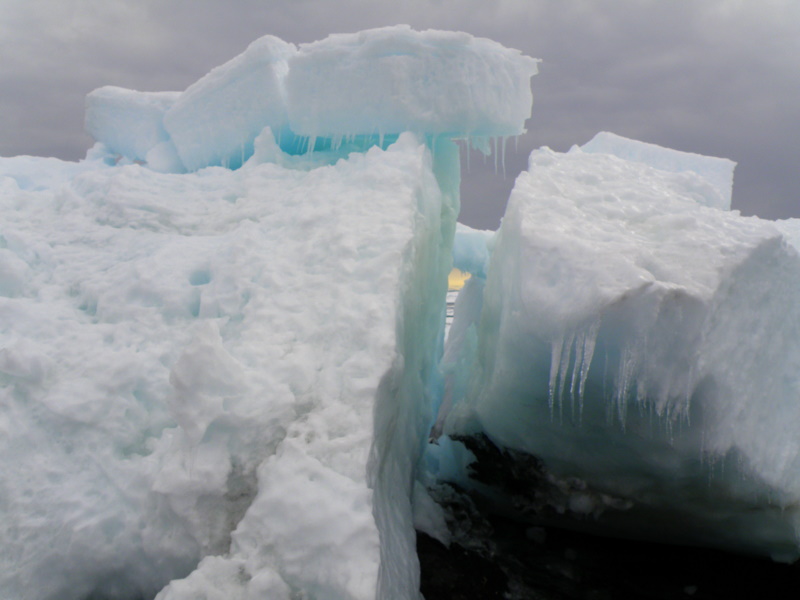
{"x":648,"y":346}
{"x":394,"y":79}
{"x":128,"y":122}
{"x":718,"y":172}
{"x":216,"y":120}
{"x":168,"y":390}
{"x":362,"y":89}
{"x":471,"y":249}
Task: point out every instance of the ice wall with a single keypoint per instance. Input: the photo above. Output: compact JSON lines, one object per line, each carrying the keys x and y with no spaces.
{"x":645,"y":347}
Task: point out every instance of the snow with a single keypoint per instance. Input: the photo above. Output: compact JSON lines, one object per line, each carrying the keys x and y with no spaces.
{"x":718,"y":172}
{"x":791,"y":231}
{"x":645,"y":345}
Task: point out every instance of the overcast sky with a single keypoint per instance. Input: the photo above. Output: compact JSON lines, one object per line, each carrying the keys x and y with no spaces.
{"x":717,"y":77}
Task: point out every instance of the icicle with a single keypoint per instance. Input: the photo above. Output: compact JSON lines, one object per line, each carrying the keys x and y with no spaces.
{"x":503,"y":139}
{"x":589,"y":343}
{"x":566,"y":356}
{"x":494,"y":152}
{"x":555,"y":367}
{"x":624,"y":379}
{"x":579,"y":345}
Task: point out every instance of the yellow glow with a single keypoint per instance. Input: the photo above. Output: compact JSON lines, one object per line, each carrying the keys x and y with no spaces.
{"x":457,"y":279}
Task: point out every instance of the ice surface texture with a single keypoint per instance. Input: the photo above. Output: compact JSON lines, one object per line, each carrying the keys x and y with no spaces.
{"x":646,"y":345}
{"x":365,"y":86}
{"x":240,"y":368}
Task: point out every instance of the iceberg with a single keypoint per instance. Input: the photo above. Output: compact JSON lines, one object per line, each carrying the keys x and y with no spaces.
{"x":170,"y":391}
{"x":642,"y":345}
{"x":221,"y":342}
{"x":471,"y":249}
{"x":223,"y":365}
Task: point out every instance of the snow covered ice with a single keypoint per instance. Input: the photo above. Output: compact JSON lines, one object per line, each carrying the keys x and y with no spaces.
{"x":222,"y":353}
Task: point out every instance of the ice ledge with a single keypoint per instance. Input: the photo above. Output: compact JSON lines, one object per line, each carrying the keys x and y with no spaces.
{"x":360,"y":87}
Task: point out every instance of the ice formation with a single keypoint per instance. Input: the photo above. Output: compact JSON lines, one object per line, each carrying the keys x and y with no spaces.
{"x":366,"y":88}
{"x":391,"y":80}
{"x":165,"y":363}
{"x":216,"y":382}
{"x":128,"y":122}
{"x":644,"y":346}
{"x":222,"y":354}
{"x":471,"y":249}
